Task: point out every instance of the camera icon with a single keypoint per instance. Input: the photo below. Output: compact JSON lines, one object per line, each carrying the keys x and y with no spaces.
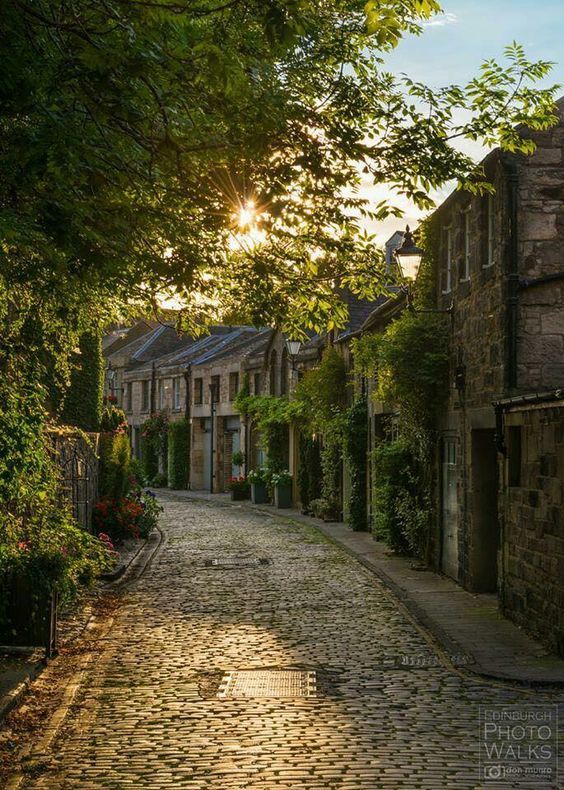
{"x":493,"y":772}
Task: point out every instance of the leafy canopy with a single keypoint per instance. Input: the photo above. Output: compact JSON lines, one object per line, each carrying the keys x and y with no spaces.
{"x":133,"y":131}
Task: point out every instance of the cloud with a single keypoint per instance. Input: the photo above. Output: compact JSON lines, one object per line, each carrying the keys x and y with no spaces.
{"x":441,"y":20}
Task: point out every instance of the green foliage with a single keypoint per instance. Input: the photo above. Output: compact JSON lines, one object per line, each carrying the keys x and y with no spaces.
{"x":309,"y":474}
{"x":321,"y":393}
{"x":401,"y":499}
{"x":136,"y":471}
{"x":356,"y":449}
{"x":154,"y":433}
{"x":83,"y":399}
{"x":271,"y":417}
{"x":178,"y":454}
{"x":114,"y":467}
{"x":160,"y":480}
{"x":113,"y":419}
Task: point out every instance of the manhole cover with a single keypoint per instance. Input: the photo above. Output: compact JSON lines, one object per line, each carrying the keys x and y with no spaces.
{"x":272,"y":683}
{"x":236,"y":562}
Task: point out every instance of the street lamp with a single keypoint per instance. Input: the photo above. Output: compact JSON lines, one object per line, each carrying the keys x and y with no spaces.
{"x":409,"y":257}
{"x":293,"y":348}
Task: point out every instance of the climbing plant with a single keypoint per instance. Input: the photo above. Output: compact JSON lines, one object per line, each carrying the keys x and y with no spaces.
{"x":83,"y":398}
{"x":178,"y":453}
{"x":355,"y":435}
{"x":154,"y":432}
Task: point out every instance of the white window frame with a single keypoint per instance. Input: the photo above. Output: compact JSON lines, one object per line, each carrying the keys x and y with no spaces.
{"x":176,"y":393}
{"x":128,"y":396}
{"x":161,"y":394}
{"x":466,"y":251}
{"x":448,"y":233}
{"x":490,"y":232}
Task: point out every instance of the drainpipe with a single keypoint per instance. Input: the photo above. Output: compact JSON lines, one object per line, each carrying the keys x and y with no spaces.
{"x":512,"y":277}
{"x":153,"y":389}
{"x":188,"y":414}
{"x":212,"y":438}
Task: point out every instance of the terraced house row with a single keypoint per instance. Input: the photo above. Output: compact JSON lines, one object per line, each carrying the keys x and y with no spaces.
{"x":495,"y":270}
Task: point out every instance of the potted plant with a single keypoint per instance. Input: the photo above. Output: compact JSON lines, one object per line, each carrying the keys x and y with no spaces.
{"x":238,"y":459}
{"x":239,"y":487}
{"x":282,"y":482}
{"x":259,"y":489}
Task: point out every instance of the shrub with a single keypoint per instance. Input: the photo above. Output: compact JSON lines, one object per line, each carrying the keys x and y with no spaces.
{"x":119,"y":518}
{"x":356,"y":446}
{"x":113,"y":419}
{"x":115,"y":465}
{"x":178,"y":454}
{"x":83,"y":400}
{"x":395,"y":492}
{"x":136,"y":472}
{"x":309,"y":473}
{"x":153,"y":444}
{"x":159,"y":480}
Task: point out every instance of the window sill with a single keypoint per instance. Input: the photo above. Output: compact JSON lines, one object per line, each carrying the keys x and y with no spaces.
{"x":465,"y":280}
{"x":488,"y":265}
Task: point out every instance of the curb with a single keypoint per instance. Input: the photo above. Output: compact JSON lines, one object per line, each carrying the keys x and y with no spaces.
{"x":14,"y":697}
{"x":442,"y":643}
{"x":120,"y":577}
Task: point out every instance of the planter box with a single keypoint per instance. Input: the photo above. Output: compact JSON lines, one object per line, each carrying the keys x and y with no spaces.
{"x":259,"y":494}
{"x":239,"y":496}
{"x":283,"y":495}
{"x":27,"y":622}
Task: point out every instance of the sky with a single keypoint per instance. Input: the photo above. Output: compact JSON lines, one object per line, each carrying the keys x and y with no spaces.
{"x":453,"y":46}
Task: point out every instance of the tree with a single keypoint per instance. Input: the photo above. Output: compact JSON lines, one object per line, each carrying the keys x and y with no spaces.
{"x":134,"y":131}
{"x":83,"y":401}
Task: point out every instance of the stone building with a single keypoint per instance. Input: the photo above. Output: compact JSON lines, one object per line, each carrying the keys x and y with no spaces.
{"x":501,"y":272}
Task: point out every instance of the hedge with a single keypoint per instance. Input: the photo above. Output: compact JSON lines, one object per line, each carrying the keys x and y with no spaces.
{"x":84,"y":398}
{"x":178,"y":453}
{"x":114,"y":466}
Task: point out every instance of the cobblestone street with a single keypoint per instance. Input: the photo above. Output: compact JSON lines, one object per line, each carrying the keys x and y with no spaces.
{"x":148,"y":714}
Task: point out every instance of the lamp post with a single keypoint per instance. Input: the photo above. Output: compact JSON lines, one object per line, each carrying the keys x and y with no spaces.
{"x":409,"y":257}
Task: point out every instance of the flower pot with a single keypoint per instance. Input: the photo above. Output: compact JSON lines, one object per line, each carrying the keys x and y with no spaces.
{"x":259,"y":494}
{"x":283,"y":495}
{"x":239,"y":495}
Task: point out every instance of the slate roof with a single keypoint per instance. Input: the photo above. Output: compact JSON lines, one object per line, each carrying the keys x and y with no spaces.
{"x":359,"y":310}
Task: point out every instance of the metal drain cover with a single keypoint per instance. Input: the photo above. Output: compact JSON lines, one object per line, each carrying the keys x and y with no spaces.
{"x":237,"y":562}
{"x":271,"y":683}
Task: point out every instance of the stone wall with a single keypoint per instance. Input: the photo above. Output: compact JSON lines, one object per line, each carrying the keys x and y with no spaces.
{"x":541,"y":244}
{"x":532,"y":554}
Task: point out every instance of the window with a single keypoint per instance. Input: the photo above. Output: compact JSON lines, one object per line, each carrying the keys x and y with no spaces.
{"x":284,"y":372}
{"x":257,"y":384}
{"x":273,"y":363}
{"x":490,"y":231}
{"x":128,"y":396}
{"x":176,"y":394}
{"x":449,"y":452}
{"x":162,"y":394}
{"x":145,"y":395}
{"x":447,"y":271}
{"x":198,"y":391}
{"x":215,"y":388}
{"x":233,"y":385}
{"x":465,"y":270}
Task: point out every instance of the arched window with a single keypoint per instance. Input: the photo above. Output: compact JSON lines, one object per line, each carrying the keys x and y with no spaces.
{"x":284,"y":372}
{"x":273,"y":361}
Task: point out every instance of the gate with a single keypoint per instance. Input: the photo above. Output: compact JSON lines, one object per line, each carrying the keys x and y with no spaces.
{"x":76,"y":456}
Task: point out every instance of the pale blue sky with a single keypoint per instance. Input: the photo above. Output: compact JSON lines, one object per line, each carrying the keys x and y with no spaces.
{"x":452,"y":47}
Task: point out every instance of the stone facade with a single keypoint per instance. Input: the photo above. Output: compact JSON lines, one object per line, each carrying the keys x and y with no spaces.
{"x":532,"y":519}
{"x":500,"y":268}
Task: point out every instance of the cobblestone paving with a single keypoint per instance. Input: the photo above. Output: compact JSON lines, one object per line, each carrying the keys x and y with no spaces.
{"x":149,"y":716}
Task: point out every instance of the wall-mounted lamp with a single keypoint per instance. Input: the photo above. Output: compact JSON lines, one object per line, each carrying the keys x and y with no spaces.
{"x":293,"y":348}
{"x":409,"y":257}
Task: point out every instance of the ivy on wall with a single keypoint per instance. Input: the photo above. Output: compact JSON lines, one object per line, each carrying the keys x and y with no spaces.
{"x":179,"y":454}
{"x":310,"y":473}
{"x":83,"y":400}
{"x":409,"y":363}
{"x":153,"y":444}
{"x":356,"y":446}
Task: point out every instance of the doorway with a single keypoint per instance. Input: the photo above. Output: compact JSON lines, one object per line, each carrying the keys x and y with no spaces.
{"x":449,"y":509}
{"x":485,"y":520}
